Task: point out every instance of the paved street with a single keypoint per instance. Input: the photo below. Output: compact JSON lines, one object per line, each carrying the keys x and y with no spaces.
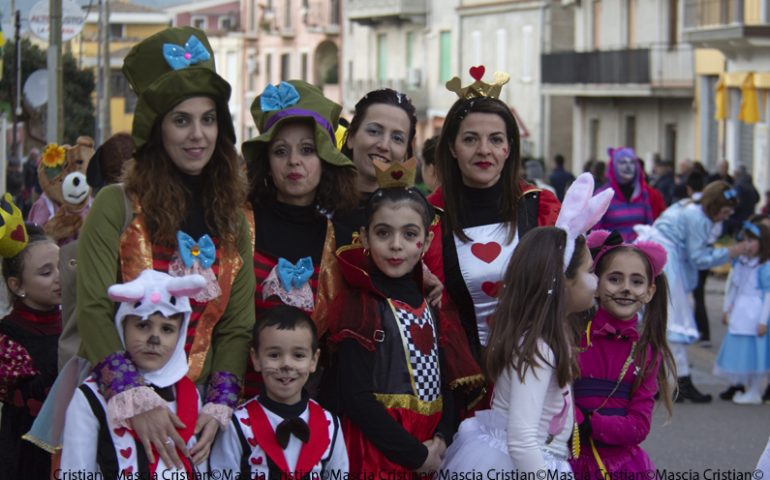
{"x":719,"y":435}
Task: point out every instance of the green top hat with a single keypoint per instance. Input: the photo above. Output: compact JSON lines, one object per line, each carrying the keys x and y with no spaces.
{"x":169,"y":67}
{"x":289,"y":101}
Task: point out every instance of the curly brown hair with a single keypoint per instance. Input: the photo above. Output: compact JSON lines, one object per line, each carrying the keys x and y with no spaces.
{"x":152,"y":178}
{"x":336,"y":191}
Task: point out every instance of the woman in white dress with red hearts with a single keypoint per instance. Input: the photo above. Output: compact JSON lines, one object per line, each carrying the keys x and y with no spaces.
{"x":486,"y":205}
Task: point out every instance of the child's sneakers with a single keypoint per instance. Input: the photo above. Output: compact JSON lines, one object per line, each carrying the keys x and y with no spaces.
{"x":748,"y":398}
{"x":730,"y":392}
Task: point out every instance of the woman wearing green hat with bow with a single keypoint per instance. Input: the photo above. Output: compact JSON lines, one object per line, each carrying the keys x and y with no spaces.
{"x":297,"y":178}
{"x":179,"y":211}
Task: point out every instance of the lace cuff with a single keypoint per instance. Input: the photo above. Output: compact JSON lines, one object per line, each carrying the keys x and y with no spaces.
{"x":221,"y":413}
{"x":130,"y":403}
{"x":223,"y":389}
{"x":116,"y":374}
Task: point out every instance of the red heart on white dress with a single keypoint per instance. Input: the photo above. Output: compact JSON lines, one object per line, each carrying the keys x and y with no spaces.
{"x":492,"y":289}
{"x":422,"y":337}
{"x":486,"y":252}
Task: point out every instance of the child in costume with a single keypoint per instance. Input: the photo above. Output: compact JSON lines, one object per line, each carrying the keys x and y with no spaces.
{"x":28,"y":338}
{"x":684,"y":230}
{"x":152,"y":323}
{"x":282,"y":433}
{"x":530,"y":354}
{"x":396,"y":365}
{"x":623,"y":362}
{"x":744,"y":356}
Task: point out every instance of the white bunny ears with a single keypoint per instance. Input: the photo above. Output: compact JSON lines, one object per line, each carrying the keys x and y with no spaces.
{"x":581,"y":210}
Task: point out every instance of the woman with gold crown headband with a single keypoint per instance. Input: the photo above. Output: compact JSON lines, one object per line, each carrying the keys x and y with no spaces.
{"x":182,"y":204}
{"x":486,"y":207}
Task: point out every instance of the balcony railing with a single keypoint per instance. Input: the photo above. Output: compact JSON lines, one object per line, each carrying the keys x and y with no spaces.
{"x":374,"y":11}
{"x":723,"y":13}
{"x":659,"y":66}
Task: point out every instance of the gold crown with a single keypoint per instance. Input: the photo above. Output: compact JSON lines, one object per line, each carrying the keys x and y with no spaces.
{"x":390,"y":175}
{"x":478,"y":88}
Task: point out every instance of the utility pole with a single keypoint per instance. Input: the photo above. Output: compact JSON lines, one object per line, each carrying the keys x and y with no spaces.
{"x":16,"y":110}
{"x":104,"y":73}
{"x":55,"y":125}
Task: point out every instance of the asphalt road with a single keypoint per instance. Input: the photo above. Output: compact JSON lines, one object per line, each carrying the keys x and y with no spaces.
{"x":716,"y":441}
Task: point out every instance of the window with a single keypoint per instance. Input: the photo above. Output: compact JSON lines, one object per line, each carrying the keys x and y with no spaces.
{"x":303,"y":66}
{"x":287,"y":14}
{"x":382,"y":57}
{"x":226,"y":23}
{"x":670,"y":145}
{"x":252,"y":16}
{"x":502,"y":50}
{"x":285,"y":67}
{"x":335,"y":12}
{"x":631,"y":23}
{"x":597,"y":24}
{"x":527,"y":47}
{"x":199,"y":22}
{"x":117,"y":30}
{"x":673,"y":23}
{"x":630,"y":140}
{"x":445,"y":56}
{"x":269,"y":68}
{"x":409,"y":49}
{"x":593,"y":138}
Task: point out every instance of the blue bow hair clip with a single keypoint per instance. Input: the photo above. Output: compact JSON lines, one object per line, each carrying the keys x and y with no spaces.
{"x":278,"y":98}
{"x":730,"y":193}
{"x":750,"y":227}
{"x":203,"y":250}
{"x":182,"y":57}
{"x":294,"y":276}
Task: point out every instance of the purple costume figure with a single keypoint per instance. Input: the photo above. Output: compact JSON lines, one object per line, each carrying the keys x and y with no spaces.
{"x":631,"y":204}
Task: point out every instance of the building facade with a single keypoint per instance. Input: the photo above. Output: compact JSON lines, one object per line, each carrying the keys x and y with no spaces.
{"x":733,"y":113}
{"x":630,"y":74}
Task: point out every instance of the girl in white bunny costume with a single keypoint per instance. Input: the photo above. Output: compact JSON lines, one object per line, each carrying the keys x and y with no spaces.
{"x":531,"y":353}
{"x":152,"y":324}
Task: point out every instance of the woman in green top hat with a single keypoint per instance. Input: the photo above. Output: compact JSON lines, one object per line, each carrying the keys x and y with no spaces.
{"x":297,"y":178}
{"x":180,"y":210}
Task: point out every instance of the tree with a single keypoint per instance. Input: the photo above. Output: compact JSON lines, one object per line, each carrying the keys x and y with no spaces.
{"x":78,"y":88}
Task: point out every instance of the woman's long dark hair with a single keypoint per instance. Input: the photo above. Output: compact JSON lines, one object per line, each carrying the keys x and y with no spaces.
{"x":449,"y":173}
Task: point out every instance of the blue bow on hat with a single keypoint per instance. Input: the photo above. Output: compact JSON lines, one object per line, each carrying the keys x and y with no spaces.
{"x":203,"y":250}
{"x":182,"y":57}
{"x":294,"y":276}
{"x":278,"y":98}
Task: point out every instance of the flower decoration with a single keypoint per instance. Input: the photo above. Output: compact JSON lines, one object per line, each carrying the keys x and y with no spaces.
{"x":53,"y":156}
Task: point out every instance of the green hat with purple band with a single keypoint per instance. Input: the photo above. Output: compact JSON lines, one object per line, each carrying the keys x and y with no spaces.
{"x":289,"y":101}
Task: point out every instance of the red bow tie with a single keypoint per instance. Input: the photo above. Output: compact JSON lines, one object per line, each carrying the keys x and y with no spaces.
{"x":625,"y":332}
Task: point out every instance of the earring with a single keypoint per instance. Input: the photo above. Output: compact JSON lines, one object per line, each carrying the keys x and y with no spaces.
{"x":366,"y":252}
{"x":22,"y":295}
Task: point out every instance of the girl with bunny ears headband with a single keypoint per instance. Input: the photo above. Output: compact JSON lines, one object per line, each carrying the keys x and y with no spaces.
{"x":152,"y":324}
{"x":530,"y":354}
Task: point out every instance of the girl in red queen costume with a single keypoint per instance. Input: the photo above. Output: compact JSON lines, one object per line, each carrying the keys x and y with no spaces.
{"x":624,"y":358}
{"x":397,"y":365}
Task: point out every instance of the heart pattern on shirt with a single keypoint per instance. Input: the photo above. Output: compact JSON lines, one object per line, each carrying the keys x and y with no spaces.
{"x":422,"y":336}
{"x":253,"y":441}
{"x":492,"y":289}
{"x":257,"y":461}
{"x":126,"y":452}
{"x":245,"y":421}
{"x":128,"y":470}
{"x":120,"y":431}
{"x":486,"y":252}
